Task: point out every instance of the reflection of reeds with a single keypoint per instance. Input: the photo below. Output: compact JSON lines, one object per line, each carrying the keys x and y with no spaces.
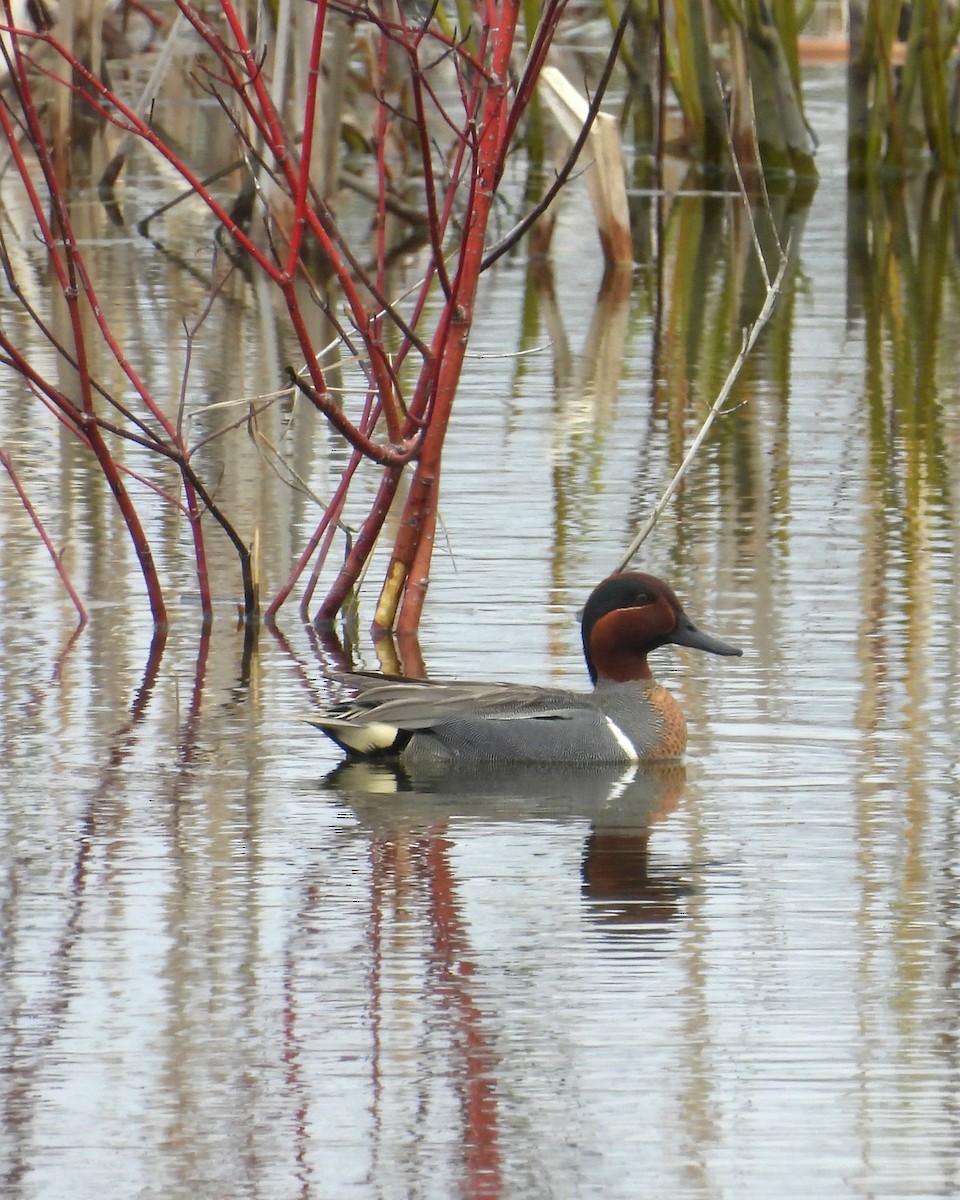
{"x":902,"y":272}
{"x":709,"y":290}
{"x":694,"y":304}
{"x":902,"y":290}
{"x":719,"y":405}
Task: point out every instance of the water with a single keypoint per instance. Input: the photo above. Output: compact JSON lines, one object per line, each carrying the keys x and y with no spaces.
{"x":228,"y":970}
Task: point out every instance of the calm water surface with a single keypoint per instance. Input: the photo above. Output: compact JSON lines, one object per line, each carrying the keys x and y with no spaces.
{"x":230,"y":970}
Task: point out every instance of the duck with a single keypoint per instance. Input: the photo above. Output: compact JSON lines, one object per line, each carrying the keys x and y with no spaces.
{"x":627,"y":718}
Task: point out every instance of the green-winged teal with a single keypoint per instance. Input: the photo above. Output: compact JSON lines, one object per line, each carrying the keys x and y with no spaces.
{"x":628,"y":717}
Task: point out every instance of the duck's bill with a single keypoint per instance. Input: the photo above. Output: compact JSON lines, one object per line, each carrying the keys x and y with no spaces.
{"x":687,"y":634}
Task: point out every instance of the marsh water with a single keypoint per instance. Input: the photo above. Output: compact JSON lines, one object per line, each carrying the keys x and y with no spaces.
{"x":230,"y":969}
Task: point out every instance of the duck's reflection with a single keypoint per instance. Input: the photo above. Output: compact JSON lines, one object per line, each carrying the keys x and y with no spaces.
{"x":621,"y":885}
{"x":407,"y":819}
{"x":621,"y":805}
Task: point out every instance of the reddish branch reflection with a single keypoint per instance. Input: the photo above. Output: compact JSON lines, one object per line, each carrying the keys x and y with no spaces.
{"x":455,"y":970}
{"x":396,"y":865}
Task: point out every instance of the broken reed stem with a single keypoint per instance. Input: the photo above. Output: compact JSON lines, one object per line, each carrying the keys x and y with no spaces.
{"x":716,"y":408}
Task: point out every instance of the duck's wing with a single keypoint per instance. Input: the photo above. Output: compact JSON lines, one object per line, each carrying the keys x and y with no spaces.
{"x":424,"y":703}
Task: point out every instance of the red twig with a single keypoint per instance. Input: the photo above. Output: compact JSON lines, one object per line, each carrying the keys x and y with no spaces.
{"x":414,"y":407}
{"x":64,"y":259}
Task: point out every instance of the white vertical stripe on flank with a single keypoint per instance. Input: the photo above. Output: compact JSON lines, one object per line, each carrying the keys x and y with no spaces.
{"x":623,"y":741}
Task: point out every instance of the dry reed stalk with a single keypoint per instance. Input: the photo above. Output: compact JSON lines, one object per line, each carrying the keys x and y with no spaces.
{"x":605,"y":175}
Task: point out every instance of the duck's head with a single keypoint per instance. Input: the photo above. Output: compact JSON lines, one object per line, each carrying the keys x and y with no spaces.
{"x":630,"y":614}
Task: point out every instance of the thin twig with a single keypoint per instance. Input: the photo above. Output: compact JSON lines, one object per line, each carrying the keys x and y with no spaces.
{"x":748,"y":207}
{"x":44,"y":537}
